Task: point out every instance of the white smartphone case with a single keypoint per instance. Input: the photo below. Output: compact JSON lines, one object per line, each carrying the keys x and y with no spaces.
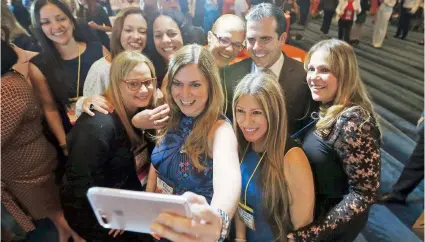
{"x":131,"y":210}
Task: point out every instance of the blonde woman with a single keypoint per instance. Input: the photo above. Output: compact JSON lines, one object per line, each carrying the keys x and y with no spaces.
{"x":342,"y":145}
{"x":198,"y":150}
{"x":277,"y":183}
{"x":102,"y":148}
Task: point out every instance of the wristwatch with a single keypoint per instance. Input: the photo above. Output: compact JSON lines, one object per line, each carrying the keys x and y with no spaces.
{"x":225,"y":225}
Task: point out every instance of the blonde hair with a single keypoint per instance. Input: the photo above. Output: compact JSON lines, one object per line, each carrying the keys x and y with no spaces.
{"x":121,"y":66}
{"x":9,"y":21}
{"x":267,"y":91}
{"x":197,"y":142}
{"x":351,"y":92}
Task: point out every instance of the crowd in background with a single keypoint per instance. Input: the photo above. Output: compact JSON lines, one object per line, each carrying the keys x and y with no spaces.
{"x":265,"y":149}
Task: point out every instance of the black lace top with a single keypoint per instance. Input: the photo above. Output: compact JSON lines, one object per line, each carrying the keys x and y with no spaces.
{"x":346,"y":167}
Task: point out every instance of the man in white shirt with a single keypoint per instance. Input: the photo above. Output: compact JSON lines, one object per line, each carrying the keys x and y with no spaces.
{"x":382,"y":18}
{"x":265,"y":36}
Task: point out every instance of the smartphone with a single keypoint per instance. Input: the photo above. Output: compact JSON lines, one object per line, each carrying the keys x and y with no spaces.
{"x":131,"y":210}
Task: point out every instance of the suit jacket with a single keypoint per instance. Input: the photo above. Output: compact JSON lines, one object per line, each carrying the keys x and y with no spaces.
{"x":292,"y":79}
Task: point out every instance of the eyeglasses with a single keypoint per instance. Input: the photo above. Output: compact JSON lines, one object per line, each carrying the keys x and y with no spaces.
{"x":134,"y":85}
{"x":225,"y":42}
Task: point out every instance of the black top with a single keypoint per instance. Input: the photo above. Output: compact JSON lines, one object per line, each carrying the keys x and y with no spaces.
{"x":345,"y":161}
{"x":67,"y":75}
{"x":100,"y":154}
{"x":22,"y":15}
{"x":299,"y":103}
{"x":26,"y":42}
{"x":101,"y":18}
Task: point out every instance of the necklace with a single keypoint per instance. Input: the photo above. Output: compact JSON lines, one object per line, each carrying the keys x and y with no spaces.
{"x":78,"y":76}
{"x":252,"y":175}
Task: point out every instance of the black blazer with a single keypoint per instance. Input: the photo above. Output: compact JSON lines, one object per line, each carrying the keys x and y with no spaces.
{"x":292,"y":79}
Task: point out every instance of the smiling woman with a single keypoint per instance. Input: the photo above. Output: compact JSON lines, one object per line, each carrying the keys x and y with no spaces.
{"x":197,"y":152}
{"x":115,"y":144}
{"x":168,"y":32}
{"x":59,"y":71}
{"x":128,"y":33}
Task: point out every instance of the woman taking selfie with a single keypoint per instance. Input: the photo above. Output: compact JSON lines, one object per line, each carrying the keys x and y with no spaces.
{"x":342,"y":145}
{"x":197,"y":152}
{"x":114,"y":143}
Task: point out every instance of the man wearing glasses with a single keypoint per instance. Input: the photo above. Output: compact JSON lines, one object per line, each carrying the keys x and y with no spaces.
{"x":226,"y":39}
{"x":265,"y":35}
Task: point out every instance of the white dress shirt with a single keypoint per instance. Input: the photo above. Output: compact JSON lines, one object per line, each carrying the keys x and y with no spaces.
{"x":275,"y":68}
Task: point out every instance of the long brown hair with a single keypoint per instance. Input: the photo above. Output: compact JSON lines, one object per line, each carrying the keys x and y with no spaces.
{"x":197,"y":142}
{"x":266,"y":89}
{"x":351,"y":91}
{"x":121,"y":66}
{"x":116,"y":46}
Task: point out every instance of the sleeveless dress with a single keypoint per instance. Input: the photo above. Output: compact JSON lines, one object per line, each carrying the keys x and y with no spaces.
{"x":176,"y":168}
{"x":263,"y":231}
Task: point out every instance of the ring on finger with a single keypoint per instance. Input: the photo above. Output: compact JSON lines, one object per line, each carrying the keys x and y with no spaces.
{"x":91,"y":107}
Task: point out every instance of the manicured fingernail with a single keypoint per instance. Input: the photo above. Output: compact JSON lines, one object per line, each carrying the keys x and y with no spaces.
{"x":156,"y":236}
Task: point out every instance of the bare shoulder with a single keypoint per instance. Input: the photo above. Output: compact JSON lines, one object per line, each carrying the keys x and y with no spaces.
{"x":296,"y":163}
{"x":219,"y":127}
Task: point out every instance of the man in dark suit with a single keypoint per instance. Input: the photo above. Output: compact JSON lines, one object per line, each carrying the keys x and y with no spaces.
{"x":266,"y":25}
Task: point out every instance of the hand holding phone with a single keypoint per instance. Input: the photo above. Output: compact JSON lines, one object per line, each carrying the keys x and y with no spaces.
{"x":131,"y":210}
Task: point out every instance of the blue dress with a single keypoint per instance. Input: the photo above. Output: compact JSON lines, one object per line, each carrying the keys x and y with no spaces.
{"x":263,"y":231}
{"x":176,"y":168}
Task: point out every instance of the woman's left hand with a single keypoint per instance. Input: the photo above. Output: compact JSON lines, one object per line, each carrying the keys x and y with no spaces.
{"x":205,"y":224}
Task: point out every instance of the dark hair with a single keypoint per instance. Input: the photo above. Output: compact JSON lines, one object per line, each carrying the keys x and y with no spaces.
{"x":264,"y":10}
{"x":116,"y":46}
{"x":186,"y":28}
{"x":92,"y":10}
{"x":57,"y":79}
{"x":8,"y":57}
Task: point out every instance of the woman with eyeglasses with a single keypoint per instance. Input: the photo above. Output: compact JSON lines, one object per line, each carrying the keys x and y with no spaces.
{"x":102,"y":148}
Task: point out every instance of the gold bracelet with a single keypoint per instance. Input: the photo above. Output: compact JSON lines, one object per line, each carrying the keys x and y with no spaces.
{"x":240,"y":240}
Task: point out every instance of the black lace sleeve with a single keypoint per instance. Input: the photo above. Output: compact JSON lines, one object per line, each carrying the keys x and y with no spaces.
{"x":357,"y":143}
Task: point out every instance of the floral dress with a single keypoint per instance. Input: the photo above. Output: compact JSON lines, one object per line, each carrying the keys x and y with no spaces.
{"x":175,"y":168}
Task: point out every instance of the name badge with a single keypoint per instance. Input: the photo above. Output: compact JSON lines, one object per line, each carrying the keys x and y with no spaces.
{"x":163,"y":187}
{"x":247,"y":215}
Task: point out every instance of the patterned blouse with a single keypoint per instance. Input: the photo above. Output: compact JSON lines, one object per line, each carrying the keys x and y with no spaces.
{"x":175,"y":167}
{"x":354,"y":143}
